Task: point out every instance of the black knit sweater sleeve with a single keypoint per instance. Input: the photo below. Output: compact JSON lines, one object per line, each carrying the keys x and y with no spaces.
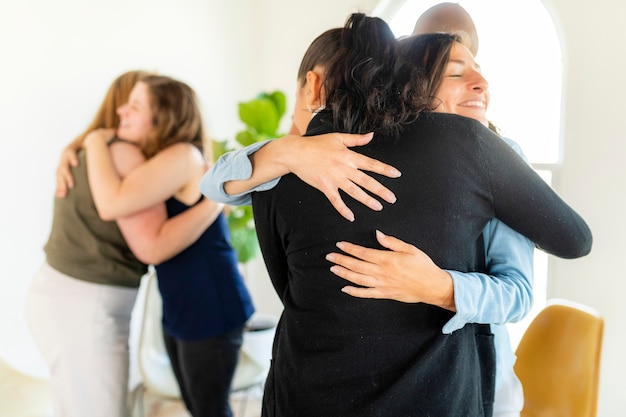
{"x":525,"y":202}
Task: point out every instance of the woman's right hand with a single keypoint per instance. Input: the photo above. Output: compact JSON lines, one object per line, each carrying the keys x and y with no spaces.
{"x":69,"y":159}
{"x":326,"y":163}
{"x":64,"y":177}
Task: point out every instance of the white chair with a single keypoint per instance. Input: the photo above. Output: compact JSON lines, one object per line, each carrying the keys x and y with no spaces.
{"x":154,"y":364}
{"x":23,"y":395}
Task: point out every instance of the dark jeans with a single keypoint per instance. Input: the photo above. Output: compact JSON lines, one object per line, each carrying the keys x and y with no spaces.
{"x":204,"y":370}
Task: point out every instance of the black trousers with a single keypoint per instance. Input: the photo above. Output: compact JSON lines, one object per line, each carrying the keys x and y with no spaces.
{"x":204,"y":370}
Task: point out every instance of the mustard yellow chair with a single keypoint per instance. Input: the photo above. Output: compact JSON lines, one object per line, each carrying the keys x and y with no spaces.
{"x":558,"y":361}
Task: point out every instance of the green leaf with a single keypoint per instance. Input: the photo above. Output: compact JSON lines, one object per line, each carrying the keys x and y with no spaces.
{"x":241,"y":217}
{"x":242,"y":233}
{"x":219,"y":148}
{"x":260,"y":114}
{"x":280,"y":102}
{"x":247,"y":245}
{"x":261,"y":117}
{"x":247,"y":137}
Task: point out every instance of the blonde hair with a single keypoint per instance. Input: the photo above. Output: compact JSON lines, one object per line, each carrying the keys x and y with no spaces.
{"x":117,"y":94}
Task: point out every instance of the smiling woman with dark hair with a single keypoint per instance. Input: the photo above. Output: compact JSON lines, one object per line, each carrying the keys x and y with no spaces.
{"x":340,"y":355}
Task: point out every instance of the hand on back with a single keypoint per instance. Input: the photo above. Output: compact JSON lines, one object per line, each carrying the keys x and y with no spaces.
{"x":69,"y":159}
{"x":326,"y":163}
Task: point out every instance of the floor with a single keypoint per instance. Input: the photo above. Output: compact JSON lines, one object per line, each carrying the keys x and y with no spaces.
{"x":24,"y":396}
{"x":241,"y":405}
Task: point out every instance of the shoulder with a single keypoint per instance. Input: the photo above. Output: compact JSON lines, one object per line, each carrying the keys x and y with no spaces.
{"x":446,"y":122}
{"x":515,"y":146}
{"x":445,"y":128}
{"x":183,"y":151}
{"x":511,"y":142}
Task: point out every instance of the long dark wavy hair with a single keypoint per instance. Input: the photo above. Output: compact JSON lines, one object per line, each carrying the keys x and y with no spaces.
{"x":369,"y":86}
{"x":430,"y":53}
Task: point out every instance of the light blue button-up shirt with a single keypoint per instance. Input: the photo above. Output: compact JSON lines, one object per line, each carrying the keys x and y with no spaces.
{"x":502,"y":296}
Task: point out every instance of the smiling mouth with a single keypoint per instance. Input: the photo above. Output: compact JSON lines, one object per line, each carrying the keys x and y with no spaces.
{"x":480,"y":104}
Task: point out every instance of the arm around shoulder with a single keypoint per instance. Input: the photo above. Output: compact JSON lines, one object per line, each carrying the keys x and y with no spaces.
{"x":526,"y":203}
{"x":233,"y":166}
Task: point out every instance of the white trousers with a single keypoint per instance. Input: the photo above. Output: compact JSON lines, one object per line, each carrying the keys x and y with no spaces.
{"x":81,"y":330}
{"x":509,"y":399}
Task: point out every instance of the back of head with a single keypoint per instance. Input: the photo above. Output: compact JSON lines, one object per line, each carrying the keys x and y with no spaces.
{"x":448,"y":18}
{"x":368,"y":86}
{"x":116,"y":95}
{"x":176,"y":114}
{"x":322,"y":52}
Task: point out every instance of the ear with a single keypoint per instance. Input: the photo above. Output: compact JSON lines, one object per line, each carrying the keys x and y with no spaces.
{"x":314,"y":97}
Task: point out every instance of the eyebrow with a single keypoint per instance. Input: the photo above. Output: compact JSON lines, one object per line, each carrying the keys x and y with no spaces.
{"x":135,"y":102}
{"x":462,"y":62}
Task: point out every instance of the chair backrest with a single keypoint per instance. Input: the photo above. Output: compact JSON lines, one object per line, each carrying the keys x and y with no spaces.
{"x":256,"y":352}
{"x":154,"y":364}
{"x":558,"y":361}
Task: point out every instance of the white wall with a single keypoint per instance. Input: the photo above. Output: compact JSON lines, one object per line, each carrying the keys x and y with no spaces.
{"x":59,"y":57}
{"x":593,"y":176}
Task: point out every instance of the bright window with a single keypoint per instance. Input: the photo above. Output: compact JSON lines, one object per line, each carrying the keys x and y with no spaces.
{"x":520,"y":55}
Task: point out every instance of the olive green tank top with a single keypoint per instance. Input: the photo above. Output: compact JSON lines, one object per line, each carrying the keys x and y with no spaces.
{"x":86,"y":247}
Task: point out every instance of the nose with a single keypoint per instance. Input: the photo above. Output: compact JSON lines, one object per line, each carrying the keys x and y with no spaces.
{"x":120,"y":109}
{"x":479,"y":82}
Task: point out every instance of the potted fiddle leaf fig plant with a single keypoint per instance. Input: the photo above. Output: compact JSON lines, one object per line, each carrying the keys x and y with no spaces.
{"x":261,"y":117}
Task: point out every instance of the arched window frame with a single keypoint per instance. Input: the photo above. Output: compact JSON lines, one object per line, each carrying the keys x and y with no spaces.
{"x":542,"y":59}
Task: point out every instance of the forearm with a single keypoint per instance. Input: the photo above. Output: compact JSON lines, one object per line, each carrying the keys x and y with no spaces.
{"x":324,"y":162}
{"x":104,"y":181}
{"x":543,"y":217}
{"x":181,"y":231}
{"x":503,"y":294}
{"x":483,"y":298}
{"x":267,"y":163}
{"x":443,"y":294}
{"x":231,"y":166}
{"x":154,"y":245}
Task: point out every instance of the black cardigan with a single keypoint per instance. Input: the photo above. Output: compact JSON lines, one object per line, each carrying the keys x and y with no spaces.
{"x":335,"y":355}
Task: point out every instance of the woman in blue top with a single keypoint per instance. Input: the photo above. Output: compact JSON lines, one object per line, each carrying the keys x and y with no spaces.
{"x":460,"y":88}
{"x":497,"y":289}
{"x":502,"y":293}
{"x":205,"y":301}
{"x":338,"y":355}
